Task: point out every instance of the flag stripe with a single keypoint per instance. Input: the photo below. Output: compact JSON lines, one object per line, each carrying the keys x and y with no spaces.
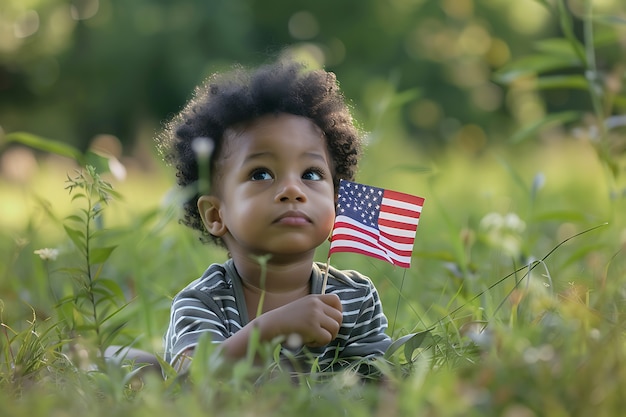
{"x":396,"y":225}
{"x":391,"y":257}
{"x":402,"y":204}
{"x":408,"y":215}
{"x":345,"y":227}
{"x":404,"y":198}
{"x":376,"y":222}
{"x":348,"y":239}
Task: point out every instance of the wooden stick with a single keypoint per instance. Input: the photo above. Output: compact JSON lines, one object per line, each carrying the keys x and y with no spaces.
{"x":326,"y":276}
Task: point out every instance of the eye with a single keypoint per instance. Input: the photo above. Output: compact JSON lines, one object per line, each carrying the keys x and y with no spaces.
{"x":260,"y":174}
{"x":313,"y":174}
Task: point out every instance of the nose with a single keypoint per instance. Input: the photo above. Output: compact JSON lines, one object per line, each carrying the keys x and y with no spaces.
{"x":290,"y":189}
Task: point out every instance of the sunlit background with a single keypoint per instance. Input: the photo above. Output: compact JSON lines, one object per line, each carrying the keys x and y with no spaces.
{"x":420,"y":74}
{"x":508,"y":116}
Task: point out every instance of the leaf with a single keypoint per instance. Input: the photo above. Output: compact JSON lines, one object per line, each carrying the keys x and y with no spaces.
{"x":75,"y":218}
{"x":549,"y":120}
{"x":100,"y":255}
{"x":558,"y":46}
{"x":532,"y":65}
{"x":112,"y":334}
{"x":410,"y":342}
{"x":44,"y":144}
{"x":577,"y":82}
{"x":112,"y":287}
{"x":72,"y":272}
{"x":103,"y":296}
{"x":77,"y":196}
{"x":567,"y":26}
{"x":98,"y":161}
{"x":77,"y":236}
{"x":116,"y":311}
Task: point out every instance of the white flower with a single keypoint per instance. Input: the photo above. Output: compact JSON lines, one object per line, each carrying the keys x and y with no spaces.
{"x":47,"y":254}
{"x":202,"y":147}
{"x":504,"y":231}
{"x":491,"y":221}
{"x":294,"y":341}
{"x":117,"y":169}
{"x":513,"y":223}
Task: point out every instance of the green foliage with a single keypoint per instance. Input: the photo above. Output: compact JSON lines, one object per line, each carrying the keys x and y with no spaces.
{"x":567,"y":63}
{"x":514,"y":305}
{"x":94,"y":300}
{"x":544,"y":336}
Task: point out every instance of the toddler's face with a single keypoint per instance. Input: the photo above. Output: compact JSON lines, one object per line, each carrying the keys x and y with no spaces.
{"x":275,"y":187}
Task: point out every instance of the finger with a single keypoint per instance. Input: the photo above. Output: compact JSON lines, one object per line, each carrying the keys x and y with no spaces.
{"x":321,"y":338}
{"x":330,"y":325}
{"x":335,"y":313}
{"x":332,"y":300}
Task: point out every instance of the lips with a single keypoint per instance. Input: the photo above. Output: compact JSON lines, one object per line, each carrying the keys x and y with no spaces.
{"x":293,"y":217}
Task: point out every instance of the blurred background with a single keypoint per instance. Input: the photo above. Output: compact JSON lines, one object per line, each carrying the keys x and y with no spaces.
{"x":76,"y":70}
{"x":107,"y":73}
{"x":508,"y":116}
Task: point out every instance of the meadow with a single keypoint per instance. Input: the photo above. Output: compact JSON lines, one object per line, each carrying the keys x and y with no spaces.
{"x":514,"y":305}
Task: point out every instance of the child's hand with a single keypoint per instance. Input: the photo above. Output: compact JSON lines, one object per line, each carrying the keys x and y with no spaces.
{"x":316,"y":318}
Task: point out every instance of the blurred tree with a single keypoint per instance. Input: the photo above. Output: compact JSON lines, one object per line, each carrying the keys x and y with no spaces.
{"x":72,"y":69}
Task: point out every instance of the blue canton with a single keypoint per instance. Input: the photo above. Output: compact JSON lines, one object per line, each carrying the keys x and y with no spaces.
{"x":360,"y":202}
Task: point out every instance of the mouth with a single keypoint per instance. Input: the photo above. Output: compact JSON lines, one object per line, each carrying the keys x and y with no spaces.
{"x":293,"y":217}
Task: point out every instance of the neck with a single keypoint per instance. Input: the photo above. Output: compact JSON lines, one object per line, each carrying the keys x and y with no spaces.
{"x":279,"y":277}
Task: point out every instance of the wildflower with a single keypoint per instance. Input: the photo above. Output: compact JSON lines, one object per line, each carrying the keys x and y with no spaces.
{"x":47,"y":254}
{"x":117,"y":169}
{"x":202,"y":147}
{"x":513,"y":223}
{"x":294,"y":341}
{"x":504,"y":232}
{"x":543,"y":353}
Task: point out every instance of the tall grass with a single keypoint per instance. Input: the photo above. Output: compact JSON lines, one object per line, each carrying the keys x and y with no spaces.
{"x":515,"y":305}
{"x":547,"y":340}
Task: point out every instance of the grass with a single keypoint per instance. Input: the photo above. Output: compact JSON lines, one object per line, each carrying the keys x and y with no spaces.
{"x":548,"y":340}
{"x":515,"y":304}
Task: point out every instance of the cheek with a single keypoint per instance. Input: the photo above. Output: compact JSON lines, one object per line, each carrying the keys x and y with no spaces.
{"x":329,"y":215}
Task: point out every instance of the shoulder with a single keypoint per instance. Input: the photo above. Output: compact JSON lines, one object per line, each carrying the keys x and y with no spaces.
{"x":348,"y":282}
{"x":350,"y":278}
{"x":214,"y":278}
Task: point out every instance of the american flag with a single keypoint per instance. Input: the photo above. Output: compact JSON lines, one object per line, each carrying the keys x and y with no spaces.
{"x":376,"y":222}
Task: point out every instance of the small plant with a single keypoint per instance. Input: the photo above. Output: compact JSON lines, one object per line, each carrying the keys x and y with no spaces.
{"x":88,"y":311}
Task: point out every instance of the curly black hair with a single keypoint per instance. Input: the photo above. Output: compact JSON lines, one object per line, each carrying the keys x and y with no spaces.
{"x":235,"y":97}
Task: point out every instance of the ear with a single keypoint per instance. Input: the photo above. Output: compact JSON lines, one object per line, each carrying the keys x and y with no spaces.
{"x":209,"y":208}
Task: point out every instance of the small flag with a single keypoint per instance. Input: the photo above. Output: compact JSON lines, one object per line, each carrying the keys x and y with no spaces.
{"x":376,"y":222}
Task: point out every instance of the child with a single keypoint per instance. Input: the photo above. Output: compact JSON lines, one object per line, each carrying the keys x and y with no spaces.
{"x":281,"y":138}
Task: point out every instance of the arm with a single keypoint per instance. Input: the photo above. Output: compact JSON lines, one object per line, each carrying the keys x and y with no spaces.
{"x":316,"y":318}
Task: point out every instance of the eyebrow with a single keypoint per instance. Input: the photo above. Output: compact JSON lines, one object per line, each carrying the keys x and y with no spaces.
{"x":259,"y":155}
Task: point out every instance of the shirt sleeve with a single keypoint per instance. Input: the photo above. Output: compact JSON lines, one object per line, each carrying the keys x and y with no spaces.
{"x":193,"y":314}
{"x":368,"y":337}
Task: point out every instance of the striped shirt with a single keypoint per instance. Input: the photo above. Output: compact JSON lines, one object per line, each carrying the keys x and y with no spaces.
{"x":215,"y":304}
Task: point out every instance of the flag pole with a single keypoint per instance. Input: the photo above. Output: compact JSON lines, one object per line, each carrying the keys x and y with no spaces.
{"x":325,"y":281}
